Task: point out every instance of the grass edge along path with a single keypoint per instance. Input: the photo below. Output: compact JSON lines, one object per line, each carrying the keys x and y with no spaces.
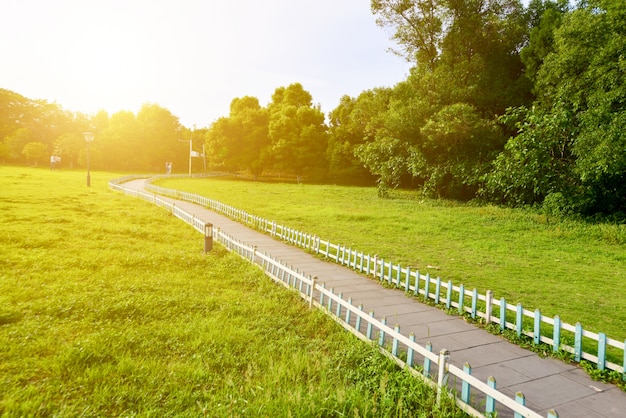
{"x":109,"y":307}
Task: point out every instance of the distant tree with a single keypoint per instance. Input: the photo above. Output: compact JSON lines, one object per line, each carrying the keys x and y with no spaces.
{"x":157,"y":138}
{"x":392,"y":133}
{"x":35,"y":152}
{"x":69,"y":146}
{"x":297,"y":132}
{"x":119,"y":142}
{"x":16,"y":142}
{"x":15,"y":112}
{"x":241,"y":140}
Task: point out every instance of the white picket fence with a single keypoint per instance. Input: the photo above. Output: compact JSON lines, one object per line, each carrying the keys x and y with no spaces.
{"x":583,"y":344}
{"x":434,"y":369}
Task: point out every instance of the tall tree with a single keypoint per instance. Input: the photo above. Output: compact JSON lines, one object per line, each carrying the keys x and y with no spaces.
{"x":157,"y":140}
{"x":241,"y":140}
{"x":441,"y":126}
{"x":297,"y":131}
{"x":352,"y":124}
{"x":418,"y":26}
{"x":119,"y":142}
{"x":578,"y":120}
{"x":35,"y":152}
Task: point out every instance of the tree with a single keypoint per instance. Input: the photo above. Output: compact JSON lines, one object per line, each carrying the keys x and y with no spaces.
{"x":297,"y":132}
{"x":16,"y":142}
{"x":418,"y":26}
{"x":544,"y":18}
{"x":456,"y":149}
{"x":441,"y":127}
{"x":157,"y":138}
{"x":69,"y":146}
{"x":536,"y":162}
{"x":119,"y":142}
{"x":35,"y":152}
{"x":241,"y":140}
{"x":573,"y":142}
{"x":352,"y":124}
{"x":479,"y":62}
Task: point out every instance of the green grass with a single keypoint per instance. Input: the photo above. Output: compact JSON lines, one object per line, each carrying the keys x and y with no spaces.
{"x":572,"y":269}
{"x":108,"y":307}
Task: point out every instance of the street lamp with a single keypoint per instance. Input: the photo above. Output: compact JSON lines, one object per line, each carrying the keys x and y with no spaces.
{"x":88,"y":137}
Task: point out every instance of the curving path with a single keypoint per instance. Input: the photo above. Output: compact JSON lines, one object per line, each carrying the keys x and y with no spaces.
{"x":548,"y":384}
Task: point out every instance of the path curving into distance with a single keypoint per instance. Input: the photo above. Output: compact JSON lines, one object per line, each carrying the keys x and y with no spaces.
{"x":547,"y":383}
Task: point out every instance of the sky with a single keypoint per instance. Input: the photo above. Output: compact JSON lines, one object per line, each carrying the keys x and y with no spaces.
{"x":191,"y":56}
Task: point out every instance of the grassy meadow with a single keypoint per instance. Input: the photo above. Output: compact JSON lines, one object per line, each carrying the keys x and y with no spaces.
{"x":572,"y":269}
{"x":108,"y":307}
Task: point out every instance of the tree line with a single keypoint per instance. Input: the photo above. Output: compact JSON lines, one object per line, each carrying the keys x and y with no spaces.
{"x":31,"y":131}
{"x":504,"y":103}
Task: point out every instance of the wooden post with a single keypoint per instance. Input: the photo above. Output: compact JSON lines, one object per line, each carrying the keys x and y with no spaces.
{"x":490,"y":407}
{"x":601,"y":351}
{"x":489,"y":307}
{"x":375,"y":265}
{"x":624,"y":366}
{"x":465,"y":387}
{"x":369,"y":327}
{"x":409,"y":354}
{"x":208,"y":237}
{"x":348,"y":311}
{"x":416,"y":291}
{"x":429,"y":347}
{"x":442,"y":376}
{"x":474,"y":302}
{"x":556,"y":334}
{"x":537,"y":327}
{"x":407,"y":283}
{"x":338,"y":313}
{"x":520,"y":399}
{"x":312,"y":292}
{"x":578,"y":342}
{"x":381,"y":333}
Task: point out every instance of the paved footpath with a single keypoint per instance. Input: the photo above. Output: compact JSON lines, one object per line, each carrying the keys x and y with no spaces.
{"x":546,"y":383}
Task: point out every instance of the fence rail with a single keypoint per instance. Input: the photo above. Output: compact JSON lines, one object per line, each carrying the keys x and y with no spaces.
{"x":434,"y":369}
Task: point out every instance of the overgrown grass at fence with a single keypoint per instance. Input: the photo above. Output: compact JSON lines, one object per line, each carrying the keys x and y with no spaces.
{"x":108,"y":307}
{"x":572,"y":269}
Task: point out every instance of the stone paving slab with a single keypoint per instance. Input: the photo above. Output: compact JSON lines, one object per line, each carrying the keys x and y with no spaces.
{"x":546,"y":383}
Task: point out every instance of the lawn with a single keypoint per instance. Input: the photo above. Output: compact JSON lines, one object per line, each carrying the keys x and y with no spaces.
{"x":573,"y":269}
{"x":108,"y":307}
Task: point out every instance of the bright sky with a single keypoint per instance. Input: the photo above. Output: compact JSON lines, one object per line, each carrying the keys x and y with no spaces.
{"x":191,"y":56}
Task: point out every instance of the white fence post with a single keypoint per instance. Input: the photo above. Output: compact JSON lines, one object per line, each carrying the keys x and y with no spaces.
{"x":442,"y":375}
{"x":313,"y":284}
{"x":489,"y":307}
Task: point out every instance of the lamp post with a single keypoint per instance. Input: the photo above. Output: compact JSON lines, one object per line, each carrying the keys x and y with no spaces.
{"x":88,"y":137}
